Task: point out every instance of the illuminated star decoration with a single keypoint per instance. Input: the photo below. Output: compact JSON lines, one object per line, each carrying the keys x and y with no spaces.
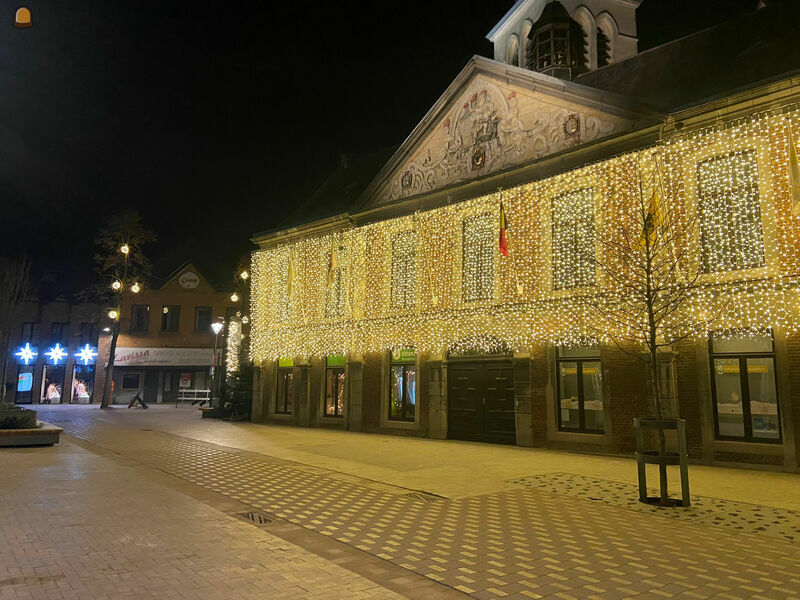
{"x":26,"y":354}
{"x":56,"y":354}
{"x":87,"y":354}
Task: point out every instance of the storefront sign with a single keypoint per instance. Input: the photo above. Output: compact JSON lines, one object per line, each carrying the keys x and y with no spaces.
{"x":285,"y":362}
{"x":404,"y":355}
{"x":336,"y":360}
{"x":156,"y":357}
{"x":25,"y":382}
{"x":189,"y":280}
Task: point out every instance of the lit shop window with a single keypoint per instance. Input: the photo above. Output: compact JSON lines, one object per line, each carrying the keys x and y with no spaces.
{"x":334,"y":385}
{"x":580,"y":390}
{"x":573,"y":239}
{"x":478,"y":246}
{"x":729,"y":213}
{"x":744,"y":388}
{"x":402,"y":385}
{"x":284,"y":393}
{"x":404,"y":268}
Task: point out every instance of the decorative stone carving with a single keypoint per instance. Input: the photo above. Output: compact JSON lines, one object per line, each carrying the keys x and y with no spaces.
{"x":493,"y":127}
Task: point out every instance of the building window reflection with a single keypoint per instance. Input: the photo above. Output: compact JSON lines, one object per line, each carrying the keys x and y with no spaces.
{"x":402,"y":385}
{"x":579,"y":381}
{"x":744,"y":388}
{"x":334,"y":385}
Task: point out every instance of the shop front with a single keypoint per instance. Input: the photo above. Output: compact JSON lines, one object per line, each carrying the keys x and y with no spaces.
{"x":159,"y":374}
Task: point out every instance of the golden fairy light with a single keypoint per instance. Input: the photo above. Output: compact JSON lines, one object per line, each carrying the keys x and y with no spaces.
{"x":436,"y":280}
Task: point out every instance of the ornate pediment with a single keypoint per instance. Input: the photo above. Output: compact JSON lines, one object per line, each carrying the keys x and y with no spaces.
{"x":492,"y":125}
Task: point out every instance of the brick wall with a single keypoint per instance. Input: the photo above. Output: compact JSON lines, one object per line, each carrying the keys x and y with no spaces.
{"x":689,"y":397}
{"x":627,"y":395}
{"x":371,"y":408}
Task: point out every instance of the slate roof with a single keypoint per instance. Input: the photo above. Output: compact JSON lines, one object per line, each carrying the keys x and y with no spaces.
{"x":340,"y":191}
{"x":718,"y":61}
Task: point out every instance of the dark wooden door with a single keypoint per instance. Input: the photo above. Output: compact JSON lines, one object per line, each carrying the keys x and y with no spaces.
{"x":480,"y":400}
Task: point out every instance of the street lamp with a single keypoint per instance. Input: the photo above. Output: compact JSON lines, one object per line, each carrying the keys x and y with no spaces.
{"x":216,"y":327}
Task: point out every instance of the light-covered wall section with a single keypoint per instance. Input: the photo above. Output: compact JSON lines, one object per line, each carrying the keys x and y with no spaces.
{"x":527,"y":306}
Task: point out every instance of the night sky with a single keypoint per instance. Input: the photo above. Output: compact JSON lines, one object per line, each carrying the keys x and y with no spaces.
{"x":213,"y":121}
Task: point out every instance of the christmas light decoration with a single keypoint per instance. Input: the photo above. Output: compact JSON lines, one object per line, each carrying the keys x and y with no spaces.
{"x":112,"y":314}
{"x":87,"y":355}
{"x":27,"y":353}
{"x":437,"y":281}
{"x":125,"y":249}
{"x":136,"y":288}
{"x":234,"y":297}
{"x":233,"y":341}
{"x":56,"y":354}
{"x":116,"y":285}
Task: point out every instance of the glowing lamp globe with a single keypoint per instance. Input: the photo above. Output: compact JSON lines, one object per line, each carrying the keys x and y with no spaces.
{"x":216,"y":327}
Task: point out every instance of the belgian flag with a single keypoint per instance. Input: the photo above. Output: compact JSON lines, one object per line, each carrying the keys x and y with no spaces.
{"x":503,"y":238}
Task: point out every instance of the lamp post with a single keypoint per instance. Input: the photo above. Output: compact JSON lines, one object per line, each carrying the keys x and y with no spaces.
{"x":216,"y":327}
{"x":119,"y":286}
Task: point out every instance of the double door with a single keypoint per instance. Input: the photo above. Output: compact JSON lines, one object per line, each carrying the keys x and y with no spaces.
{"x":480,"y":400}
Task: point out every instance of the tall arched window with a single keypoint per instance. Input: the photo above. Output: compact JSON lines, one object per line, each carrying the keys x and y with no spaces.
{"x":512,"y":52}
{"x":523,"y":51}
{"x":603,"y":49}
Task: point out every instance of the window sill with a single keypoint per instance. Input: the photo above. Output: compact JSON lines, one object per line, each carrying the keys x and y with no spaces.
{"x":742,"y":447}
{"x":390,"y":424}
{"x":579,"y":437}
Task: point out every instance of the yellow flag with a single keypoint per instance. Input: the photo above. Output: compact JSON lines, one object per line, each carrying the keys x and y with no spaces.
{"x":652,"y":219}
{"x":794,"y":175}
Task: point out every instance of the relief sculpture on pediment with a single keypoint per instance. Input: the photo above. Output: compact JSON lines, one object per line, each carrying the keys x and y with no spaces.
{"x":493,"y":128}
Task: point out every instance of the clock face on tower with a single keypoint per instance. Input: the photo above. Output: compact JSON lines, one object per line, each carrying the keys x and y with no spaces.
{"x":572,"y":125}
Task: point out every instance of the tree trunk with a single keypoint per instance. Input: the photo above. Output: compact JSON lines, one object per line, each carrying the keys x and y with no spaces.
{"x":662,"y":438}
{"x":110,"y":367}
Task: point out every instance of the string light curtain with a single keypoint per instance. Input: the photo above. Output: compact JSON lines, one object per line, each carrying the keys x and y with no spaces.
{"x":734,"y":177}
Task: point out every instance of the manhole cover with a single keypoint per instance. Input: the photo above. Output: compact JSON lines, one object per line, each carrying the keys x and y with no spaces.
{"x":257,"y":518}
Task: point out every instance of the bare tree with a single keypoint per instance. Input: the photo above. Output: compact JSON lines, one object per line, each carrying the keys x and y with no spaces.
{"x":14,"y":288}
{"x":123,"y":268}
{"x":651,"y":266}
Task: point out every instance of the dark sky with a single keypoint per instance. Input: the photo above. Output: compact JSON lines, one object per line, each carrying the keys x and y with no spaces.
{"x":212,"y":120}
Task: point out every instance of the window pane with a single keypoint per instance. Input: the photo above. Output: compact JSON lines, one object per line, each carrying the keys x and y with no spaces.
{"x":730,"y":415}
{"x":396,"y":391}
{"x":477,"y":269}
{"x":285,"y":391}
{"x":763,"y":399}
{"x":568,"y":392}
{"x":130,"y":381}
{"x":411,"y":391}
{"x":289,"y":397}
{"x":729,"y":213}
{"x":578,"y":352}
{"x":743,"y":343}
{"x":593,"y":395}
{"x":573,"y":239}
{"x":404,"y":246}
{"x":202,"y":319}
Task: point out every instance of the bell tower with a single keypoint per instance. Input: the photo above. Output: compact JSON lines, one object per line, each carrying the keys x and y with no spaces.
{"x":564,"y":38}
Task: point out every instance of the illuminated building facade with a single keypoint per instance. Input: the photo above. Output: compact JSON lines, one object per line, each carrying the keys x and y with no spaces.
{"x":402,"y":312}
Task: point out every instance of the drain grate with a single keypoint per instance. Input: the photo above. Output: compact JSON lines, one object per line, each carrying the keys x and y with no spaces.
{"x":424,"y":497}
{"x":257,"y":518}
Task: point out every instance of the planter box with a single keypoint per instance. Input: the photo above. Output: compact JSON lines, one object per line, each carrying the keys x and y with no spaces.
{"x":43,"y":435}
{"x":17,"y":417}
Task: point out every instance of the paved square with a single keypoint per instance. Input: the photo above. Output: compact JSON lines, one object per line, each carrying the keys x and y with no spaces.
{"x":515,"y":542}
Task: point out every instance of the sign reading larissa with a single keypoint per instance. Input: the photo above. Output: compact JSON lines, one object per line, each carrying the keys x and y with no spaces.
{"x":189,"y":280}
{"x":154,"y":357}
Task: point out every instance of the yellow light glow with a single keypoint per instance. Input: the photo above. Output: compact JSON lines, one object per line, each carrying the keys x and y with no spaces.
{"x":434,"y":279}
{"x":112,"y":314}
{"x":125,"y":249}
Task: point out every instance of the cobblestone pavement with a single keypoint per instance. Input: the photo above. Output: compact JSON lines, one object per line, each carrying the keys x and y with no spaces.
{"x":521,"y":542}
{"x":74,"y":525}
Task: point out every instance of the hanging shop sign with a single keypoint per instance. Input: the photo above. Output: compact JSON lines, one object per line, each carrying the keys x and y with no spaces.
{"x":87,"y":355}
{"x":56,"y":355}
{"x":168,"y":357}
{"x":285,"y":362}
{"x":26,"y":354}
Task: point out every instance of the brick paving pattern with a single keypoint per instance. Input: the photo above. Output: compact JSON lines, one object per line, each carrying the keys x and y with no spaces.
{"x":520,"y":543}
{"x":741,"y":516}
